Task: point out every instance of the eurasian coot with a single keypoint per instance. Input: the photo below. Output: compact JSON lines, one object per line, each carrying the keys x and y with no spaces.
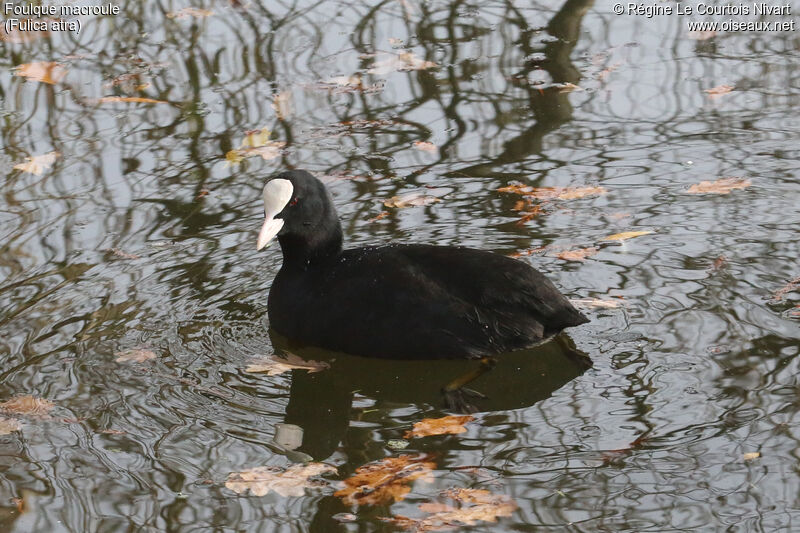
{"x":411,"y":301}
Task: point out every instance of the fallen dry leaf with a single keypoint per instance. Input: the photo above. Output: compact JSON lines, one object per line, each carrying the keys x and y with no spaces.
{"x":793,"y":285}
{"x":474,"y":505}
{"x":9,"y":425}
{"x":749,"y":456}
{"x":129,"y":99}
{"x":425,"y":146}
{"x":720,"y":186}
{"x":413,"y":199}
{"x":275,"y":365}
{"x":135,"y":355}
{"x":27,"y":405}
{"x":553,"y":193}
{"x":625,"y":235}
{"x":187,"y":12}
{"x":596,"y":302}
{"x":719,"y":90}
{"x":385,"y":481}
{"x":447,"y":425}
{"x":38,"y":163}
{"x":293,"y":481}
{"x":399,"y":62}
{"x":43,"y":71}
{"x":579,"y":254}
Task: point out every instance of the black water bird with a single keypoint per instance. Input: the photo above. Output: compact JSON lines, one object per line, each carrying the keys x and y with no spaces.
{"x":401,"y":301}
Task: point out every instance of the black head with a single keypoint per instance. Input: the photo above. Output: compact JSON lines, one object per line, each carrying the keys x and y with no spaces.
{"x":299,"y":210}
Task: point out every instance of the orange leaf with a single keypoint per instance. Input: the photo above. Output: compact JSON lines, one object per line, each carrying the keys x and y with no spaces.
{"x":793,"y":285}
{"x":577,"y":255}
{"x":447,"y":425}
{"x":131,"y":99}
{"x":43,"y":71}
{"x":385,"y":481}
{"x":720,"y":186}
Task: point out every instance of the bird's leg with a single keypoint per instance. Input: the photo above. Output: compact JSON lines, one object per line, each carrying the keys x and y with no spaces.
{"x":455,"y":392}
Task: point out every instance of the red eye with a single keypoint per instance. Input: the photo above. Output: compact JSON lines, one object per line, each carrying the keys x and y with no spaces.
{"x":293,"y":202}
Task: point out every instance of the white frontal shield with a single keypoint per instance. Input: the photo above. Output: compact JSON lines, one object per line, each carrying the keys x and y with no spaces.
{"x":277,"y":194}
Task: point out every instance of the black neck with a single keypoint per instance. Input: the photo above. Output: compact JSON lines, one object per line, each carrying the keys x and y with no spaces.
{"x":314,"y":247}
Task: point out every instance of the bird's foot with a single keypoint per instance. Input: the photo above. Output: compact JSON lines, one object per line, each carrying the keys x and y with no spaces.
{"x":459,"y":400}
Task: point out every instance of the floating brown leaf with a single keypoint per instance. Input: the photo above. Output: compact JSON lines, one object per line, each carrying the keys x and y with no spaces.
{"x":720,"y":186}
{"x":596,"y":302}
{"x":275,"y":365}
{"x":9,"y":425}
{"x":385,"y":481}
{"x":398,"y":62}
{"x":793,"y":285}
{"x":38,"y":163}
{"x":292,"y":481}
{"x":43,"y":71}
{"x":474,"y":506}
{"x":27,"y":405}
{"x":626,"y":235}
{"x":447,"y":425}
{"x":553,"y":193}
{"x":719,"y":90}
{"x":135,"y":355}
{"x":129,"y":99}
{"x":425,"y":146}
{"x":749,"y":456}
{"x":579,"y":254}
{"x":411,"y":200}
{"x":187,"y":12}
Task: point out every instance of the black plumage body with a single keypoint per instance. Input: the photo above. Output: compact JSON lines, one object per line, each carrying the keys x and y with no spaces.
{"x":403,"y":301}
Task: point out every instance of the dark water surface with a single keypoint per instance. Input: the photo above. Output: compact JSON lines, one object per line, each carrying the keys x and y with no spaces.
{"x":141,"y":234}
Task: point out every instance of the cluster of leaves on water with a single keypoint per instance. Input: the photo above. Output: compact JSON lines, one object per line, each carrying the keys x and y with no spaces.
{"x":256,"y":142}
